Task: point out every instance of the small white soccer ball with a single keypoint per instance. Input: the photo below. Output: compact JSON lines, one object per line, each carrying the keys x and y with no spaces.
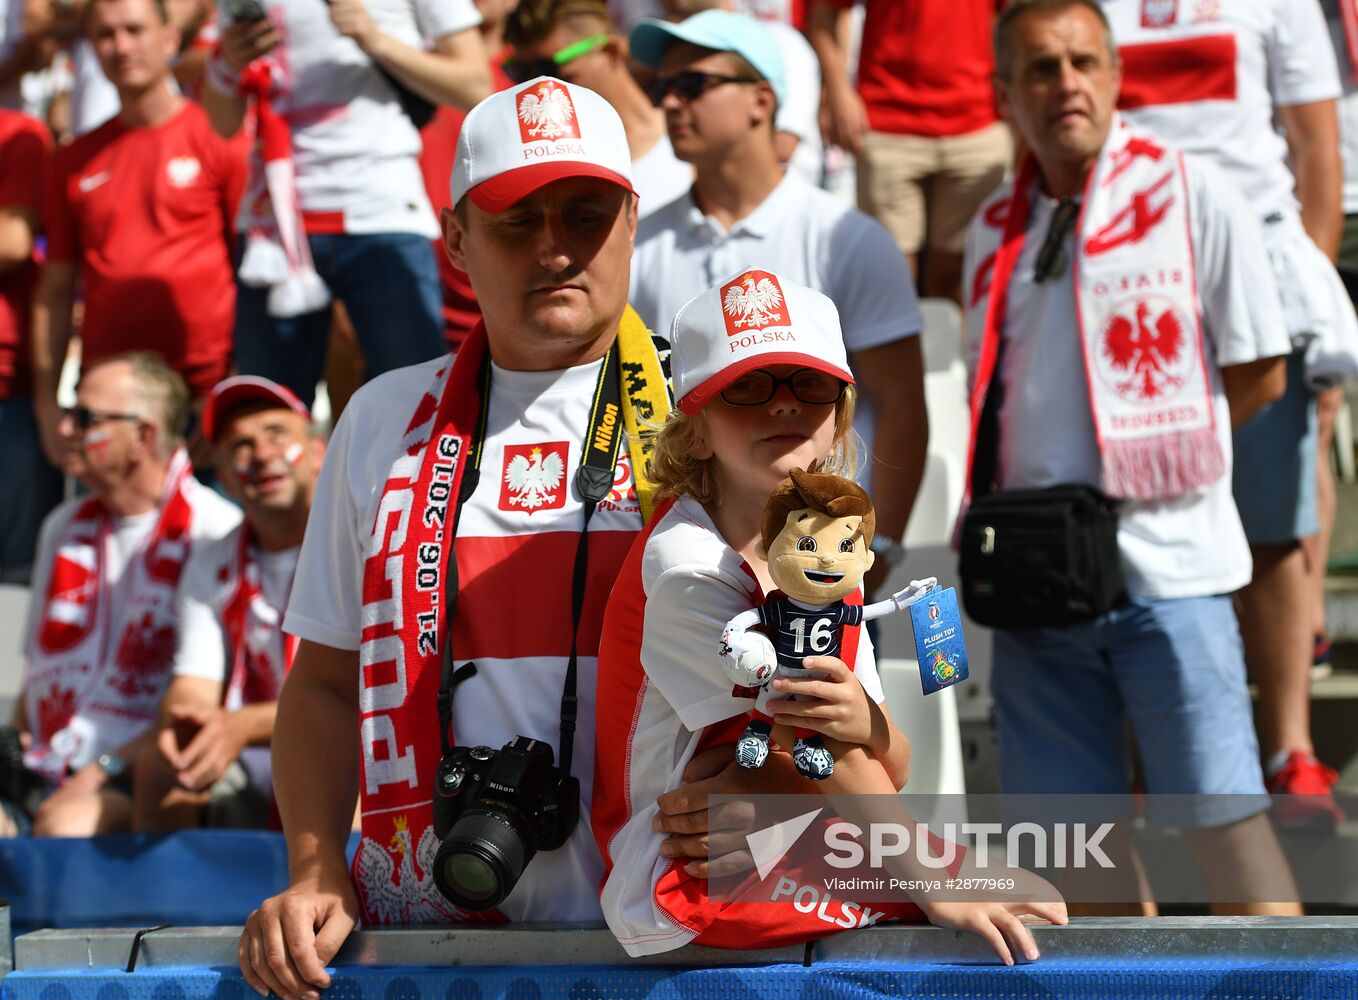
{"x":752,"y":660}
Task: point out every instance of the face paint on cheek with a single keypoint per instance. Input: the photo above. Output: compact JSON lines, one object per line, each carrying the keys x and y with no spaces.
{"x":96,"y":443}
{"x":293,"y":453}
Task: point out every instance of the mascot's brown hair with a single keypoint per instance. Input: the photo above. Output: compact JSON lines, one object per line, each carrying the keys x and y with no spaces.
{"x":833,"y":495}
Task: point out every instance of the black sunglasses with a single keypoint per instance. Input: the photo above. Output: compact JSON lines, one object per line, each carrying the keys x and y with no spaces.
{"x":84,"y":418}
{"x":808,"y":385}
{"x":689,"y":85}
{"x":1051,"y":257}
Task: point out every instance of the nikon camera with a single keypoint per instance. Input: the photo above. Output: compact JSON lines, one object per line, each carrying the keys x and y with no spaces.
{"x":494,"y":810}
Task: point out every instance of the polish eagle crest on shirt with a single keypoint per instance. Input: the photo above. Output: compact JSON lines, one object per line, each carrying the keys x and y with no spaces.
{"x":182,"y":171}
{"x":534,"y":477}
{"x":752,"y":301}
{"x":546,"y":111}
{"x":1159,"y":13}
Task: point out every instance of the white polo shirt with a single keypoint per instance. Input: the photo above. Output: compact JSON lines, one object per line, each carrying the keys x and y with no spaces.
{"x":799,"y":232}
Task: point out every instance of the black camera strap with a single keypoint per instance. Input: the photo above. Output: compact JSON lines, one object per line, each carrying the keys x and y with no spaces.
{"x":593,"y":480}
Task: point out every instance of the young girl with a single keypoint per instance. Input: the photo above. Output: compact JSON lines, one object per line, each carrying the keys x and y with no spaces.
{"x":763,"y":387}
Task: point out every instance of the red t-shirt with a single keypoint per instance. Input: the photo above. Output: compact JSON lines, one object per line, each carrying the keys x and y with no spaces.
{"x":24,"y":146}
{"x":460,"y":311}
{"x":926,"y":65}
{"x":147,"y":213}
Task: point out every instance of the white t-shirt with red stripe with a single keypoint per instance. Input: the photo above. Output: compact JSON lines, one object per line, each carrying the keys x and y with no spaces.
{"x":515,"y":552}
{"x":355,"y":151}
{"x":1205,"y":75}
{"x":692,"y":584}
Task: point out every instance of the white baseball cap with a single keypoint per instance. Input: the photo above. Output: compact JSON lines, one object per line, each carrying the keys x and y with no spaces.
{"x":751,"y":320}
{"x":520,"y":139}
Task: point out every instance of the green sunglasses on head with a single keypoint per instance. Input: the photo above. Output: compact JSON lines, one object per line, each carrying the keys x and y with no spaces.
{"x":531,"y":69}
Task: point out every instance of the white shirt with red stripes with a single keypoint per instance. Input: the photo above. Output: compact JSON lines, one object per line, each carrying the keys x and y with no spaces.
{"x":515,"y":550}
{"x":1206,"y":75}
{"x":692,"y":584}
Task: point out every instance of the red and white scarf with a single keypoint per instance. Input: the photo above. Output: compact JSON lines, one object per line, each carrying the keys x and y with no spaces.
{"x":261,"y":652}
{"x":1136,"y":303}
{"x":277,"y":255}
{"x":400,"y":649}
{"x":94,"y":683}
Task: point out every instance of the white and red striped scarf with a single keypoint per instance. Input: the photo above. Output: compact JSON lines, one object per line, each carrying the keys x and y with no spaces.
{"x":277,"y":254}
{"x":1139,"y":320}
{"x":94,"y":683}
{"x":261,"y":652}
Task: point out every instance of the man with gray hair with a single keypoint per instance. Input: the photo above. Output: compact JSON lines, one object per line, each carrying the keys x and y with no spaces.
{"x":1122,"y":319}
{"x":100,"y":637}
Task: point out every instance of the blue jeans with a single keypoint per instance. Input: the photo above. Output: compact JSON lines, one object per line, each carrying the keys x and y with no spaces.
{"x":1174,"y":667}
{"x":29,"y":488}
{"x":389,"y":283}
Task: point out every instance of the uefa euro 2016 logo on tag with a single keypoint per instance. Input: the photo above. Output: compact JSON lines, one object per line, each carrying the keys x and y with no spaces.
{"x":939,"y":646}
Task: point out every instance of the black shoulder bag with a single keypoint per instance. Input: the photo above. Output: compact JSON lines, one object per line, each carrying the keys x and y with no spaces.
{"x":1039,"y":557}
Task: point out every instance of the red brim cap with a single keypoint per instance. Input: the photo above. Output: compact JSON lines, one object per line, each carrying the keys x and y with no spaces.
{"x":694,"y":401}
{"x":500,"y":192}
{"x":230,"y":393}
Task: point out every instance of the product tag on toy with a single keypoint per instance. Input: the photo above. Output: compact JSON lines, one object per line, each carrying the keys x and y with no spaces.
{"x":939,"y":645}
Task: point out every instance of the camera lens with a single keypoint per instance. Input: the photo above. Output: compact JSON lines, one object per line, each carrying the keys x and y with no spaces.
{"x":480,"y":861}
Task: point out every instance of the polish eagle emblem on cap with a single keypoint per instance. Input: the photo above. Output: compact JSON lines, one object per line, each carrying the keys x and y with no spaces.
{"x":752,"y":301}
{"x":546,"y":111}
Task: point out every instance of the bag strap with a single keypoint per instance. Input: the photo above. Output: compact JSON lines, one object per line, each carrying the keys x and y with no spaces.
{"x":1050,"y":261}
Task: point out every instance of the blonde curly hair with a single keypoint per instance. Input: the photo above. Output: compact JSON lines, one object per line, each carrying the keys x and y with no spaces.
{"x":676,"y":471}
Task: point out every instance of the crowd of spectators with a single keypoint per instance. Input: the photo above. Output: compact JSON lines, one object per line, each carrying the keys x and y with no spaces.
{"x":189,"y":194}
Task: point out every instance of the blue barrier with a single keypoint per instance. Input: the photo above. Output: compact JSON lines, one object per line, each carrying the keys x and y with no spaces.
{"x":1169,"y":978}
{"x":192,"y":877}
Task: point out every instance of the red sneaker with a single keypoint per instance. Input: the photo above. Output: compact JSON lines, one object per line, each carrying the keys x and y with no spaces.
{"x":1307,"y":789}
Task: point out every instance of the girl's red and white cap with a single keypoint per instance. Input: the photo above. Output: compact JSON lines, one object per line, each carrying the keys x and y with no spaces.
{"x":752,"y":320}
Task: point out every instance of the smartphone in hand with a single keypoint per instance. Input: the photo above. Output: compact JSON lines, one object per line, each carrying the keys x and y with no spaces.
{"x":246,"y":10}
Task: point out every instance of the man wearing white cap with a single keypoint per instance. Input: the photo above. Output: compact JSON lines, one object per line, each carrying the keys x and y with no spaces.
{"x":720,"y":82}
{"x":517,"y":451}
{"x":209,"y":764}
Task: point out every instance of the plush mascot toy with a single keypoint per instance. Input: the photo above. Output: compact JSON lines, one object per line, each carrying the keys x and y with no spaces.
{"x":815,"y":536}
